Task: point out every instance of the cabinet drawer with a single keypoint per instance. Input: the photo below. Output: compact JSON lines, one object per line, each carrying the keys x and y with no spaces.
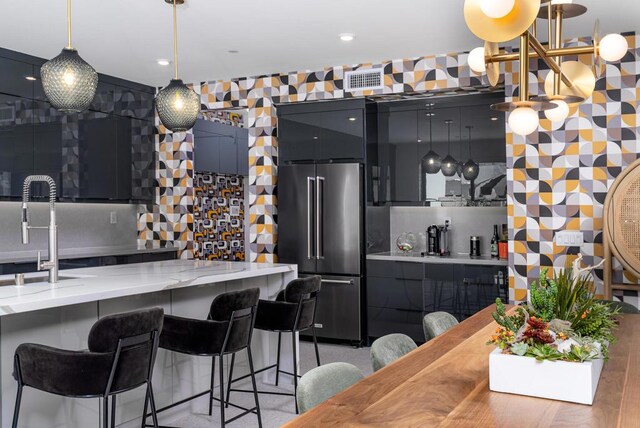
{"x":439,"y":272}
{"x":388,"y":321}
{"x":394,"y":293}
{"x":401,"y":270}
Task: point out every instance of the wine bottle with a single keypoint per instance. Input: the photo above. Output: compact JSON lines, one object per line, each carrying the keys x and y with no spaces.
{"x":494,"y":241}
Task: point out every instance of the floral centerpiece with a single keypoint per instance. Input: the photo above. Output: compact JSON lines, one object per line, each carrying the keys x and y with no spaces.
{"x":562,"y":322}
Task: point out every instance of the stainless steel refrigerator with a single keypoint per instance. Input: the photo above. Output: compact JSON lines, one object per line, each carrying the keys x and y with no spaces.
{"x":321,"y":229}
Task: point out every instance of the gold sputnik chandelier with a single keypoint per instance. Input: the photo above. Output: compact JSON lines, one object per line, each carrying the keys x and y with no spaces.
{"x":569,"y":83}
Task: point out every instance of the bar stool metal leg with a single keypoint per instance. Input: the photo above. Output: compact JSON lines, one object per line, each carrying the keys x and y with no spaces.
{"x":146,"y":406}
{"x":295,"y":370}
{"x":16,"y":411}
{"x":222,"y":423}
{"x":233,"y":360}
{"x":152,"y":401}
{"x":105,"y":411}
{"x":315,"y":344}
{"x":255,"y":386}
{"x":278,"y":359}
{"x":213,"y":373}
{"x":113,"y":411}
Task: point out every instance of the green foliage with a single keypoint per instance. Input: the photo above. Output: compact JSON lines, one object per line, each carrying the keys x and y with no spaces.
{"x":543,"y":294}
{"x":573,"y":297}
{"x":581,"y":353}
{"x":544,"y":352}
{"x":519,"y":348}
{"x":509,"y":322}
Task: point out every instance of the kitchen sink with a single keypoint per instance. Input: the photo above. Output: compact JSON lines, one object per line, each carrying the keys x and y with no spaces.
{"x":32,"y":279}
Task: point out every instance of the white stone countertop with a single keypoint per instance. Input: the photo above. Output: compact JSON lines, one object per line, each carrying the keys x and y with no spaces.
{"x":108,"y":282}
{"x":26,"y":256}
{"x":454,"y":259}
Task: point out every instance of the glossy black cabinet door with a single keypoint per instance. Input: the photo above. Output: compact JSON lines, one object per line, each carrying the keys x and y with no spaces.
{"x":125,"y":135}
{"x":228,"y":155}
{"x":342,"y":135}
{"x":299,"y":137}
{"x":55,"y":135}
{"x":216,"y":147}
{"x":98,"y":156}
{"x":16,"y":144}
{"x":242,"y":144}
{"x":14,"y":74}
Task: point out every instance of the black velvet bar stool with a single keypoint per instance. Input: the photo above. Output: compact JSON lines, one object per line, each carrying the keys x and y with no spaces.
{"x":294,"y":310}
{"x":122,"y":351}
{"x":227,"y":330}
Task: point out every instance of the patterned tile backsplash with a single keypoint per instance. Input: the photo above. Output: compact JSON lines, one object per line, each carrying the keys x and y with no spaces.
{"x":218,"y":215}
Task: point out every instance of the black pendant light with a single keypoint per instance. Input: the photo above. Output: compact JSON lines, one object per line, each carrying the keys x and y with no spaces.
{"x":431,"y":161}
{"x":449,"y":165}
{"x":177,"y":104}
{"x":470,"y":170}
{"x":68,"y":81}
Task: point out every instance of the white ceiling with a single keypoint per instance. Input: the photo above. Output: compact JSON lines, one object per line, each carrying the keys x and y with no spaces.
{"x":125,"y":37}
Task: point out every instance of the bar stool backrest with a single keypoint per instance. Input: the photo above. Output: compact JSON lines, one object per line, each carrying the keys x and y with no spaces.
{"x":238,"y":309}
{"x":304,"y":292}
{"x":133,"y":339}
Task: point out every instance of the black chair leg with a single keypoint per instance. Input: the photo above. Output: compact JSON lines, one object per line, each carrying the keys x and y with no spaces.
{"x":113,"y":412}
{"x":16,"y":411}
{"x":222,"y":422}
{"x":146,"y":406}
{"x":255,"y":387}
{"x":233,"y":361}
{"x":105,"y":412}
{"x":278,"y":359}
{"x":152,"y":402}
{"x":315,"y":344}
{"x":213,"y":374}
{"x":295,"y":370}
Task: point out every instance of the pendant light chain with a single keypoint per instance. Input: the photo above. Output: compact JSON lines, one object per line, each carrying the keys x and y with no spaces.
{"x":69,"y":24}
{"x":175,"y":40}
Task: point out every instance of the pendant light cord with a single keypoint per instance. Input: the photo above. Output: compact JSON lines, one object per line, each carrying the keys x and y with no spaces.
{"x":175,"y":40}
{"x":69,"y":24}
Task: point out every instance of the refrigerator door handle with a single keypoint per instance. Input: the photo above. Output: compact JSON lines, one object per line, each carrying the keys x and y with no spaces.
{"x":319,"y":214}
{"x":310,"y":191}
{"x":337,"y":281}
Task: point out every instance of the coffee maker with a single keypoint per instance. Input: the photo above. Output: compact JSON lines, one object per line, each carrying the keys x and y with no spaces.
{"x":438,"y":240}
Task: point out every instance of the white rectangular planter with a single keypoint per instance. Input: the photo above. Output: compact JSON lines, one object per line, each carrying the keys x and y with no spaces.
{"x":557,"y":380}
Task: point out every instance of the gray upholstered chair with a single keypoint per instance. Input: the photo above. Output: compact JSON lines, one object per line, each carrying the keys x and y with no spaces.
{"x":389,"y":348}
{"x":436,"y":323}
{"x":321,"y":383}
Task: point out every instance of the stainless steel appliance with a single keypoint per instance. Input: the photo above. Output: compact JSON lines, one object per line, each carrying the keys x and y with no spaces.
{"x":321,"y":229}
{"x":438,"y":240}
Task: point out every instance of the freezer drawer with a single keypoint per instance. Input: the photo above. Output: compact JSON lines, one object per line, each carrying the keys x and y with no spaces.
{"x":338,"y":312}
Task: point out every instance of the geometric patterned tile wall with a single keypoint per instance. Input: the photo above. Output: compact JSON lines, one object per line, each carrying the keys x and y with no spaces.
{"x":555,"y":182}
{"x":559,"y":176}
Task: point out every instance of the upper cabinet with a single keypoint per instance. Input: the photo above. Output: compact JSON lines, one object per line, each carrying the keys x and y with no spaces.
{"x":220,"y":148}
{"x":103,"y":153}
{"x":324,"y":131}
{"x":463,"y":128}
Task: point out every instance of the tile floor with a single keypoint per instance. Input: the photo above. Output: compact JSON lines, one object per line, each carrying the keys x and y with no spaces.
{"x":276,"y":410}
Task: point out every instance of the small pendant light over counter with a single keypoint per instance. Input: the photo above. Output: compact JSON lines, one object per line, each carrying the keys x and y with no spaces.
{"x":470,"y":170}
{"x":449,"y":164}
{"x":431,"y":161}
{"x":177,"y":104}
{"x":69,"y":82}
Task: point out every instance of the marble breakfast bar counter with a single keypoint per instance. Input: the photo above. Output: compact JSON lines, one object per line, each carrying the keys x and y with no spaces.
{"x":62,"y":315}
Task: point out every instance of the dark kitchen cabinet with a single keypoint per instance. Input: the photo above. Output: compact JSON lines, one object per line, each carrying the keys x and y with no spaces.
{"x":220,"y":148}
{"x":242,"y":145}
{"x":322,"y":131}
{"x":133,"y":102}
{"x":16,"y":144}
{"x":14,"y":78}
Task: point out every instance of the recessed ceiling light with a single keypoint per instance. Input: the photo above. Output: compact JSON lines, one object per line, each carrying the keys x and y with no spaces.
{"x":494,"y":118}
{"x":233,"y":51}
{"x":347,"y":37}
{"x":164,"y":62}
{"x":30,"y":78}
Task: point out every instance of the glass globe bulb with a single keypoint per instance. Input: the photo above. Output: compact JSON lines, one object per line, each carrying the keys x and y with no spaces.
{"x":69,"y":82}
{"x":613,"y":47}
{"x":523,"y":121}
{"x":558,"y":114}
{"x":449,"y":166}
{"x":496,"y":8}
{"x":178,"y":106}
{"x":476,"y":60}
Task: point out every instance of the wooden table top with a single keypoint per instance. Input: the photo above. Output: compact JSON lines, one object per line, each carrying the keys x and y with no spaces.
{"x":445,"y":382}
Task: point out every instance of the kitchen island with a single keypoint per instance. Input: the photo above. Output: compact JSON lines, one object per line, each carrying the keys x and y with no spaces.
{"x":61,"y":315}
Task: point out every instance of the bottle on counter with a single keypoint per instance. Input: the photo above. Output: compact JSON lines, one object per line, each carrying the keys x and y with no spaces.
{"x":494,"y":241}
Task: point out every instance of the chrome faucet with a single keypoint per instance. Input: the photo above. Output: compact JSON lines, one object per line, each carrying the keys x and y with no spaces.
{"x":52,"y":264}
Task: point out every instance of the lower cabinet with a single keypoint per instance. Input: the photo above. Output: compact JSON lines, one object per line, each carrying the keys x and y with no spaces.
{"x":399,"y":294}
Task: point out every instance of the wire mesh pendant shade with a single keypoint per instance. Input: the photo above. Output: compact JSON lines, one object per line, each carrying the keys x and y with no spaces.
{"x":431,"y":163}
{"x":69,"y":82}
{"x":178,"y":106}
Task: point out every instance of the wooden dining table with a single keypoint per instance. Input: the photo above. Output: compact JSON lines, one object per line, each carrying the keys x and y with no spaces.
{"x":445,"y":383}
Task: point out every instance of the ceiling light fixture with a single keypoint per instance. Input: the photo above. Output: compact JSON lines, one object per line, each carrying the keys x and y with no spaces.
{"x":430,"y":163}
{"x":31,"y":78}
{"x":164,"y":62}
{"x":347,"y":37}
{"x":498,"y":21}
{"x":470,"y":169}
{"x":449,"y":165}
{"x":177,"y":104}
{"x":69,"y":82}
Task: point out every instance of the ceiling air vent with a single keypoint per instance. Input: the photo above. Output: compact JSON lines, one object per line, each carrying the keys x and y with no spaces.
{"x":360,"y":80}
